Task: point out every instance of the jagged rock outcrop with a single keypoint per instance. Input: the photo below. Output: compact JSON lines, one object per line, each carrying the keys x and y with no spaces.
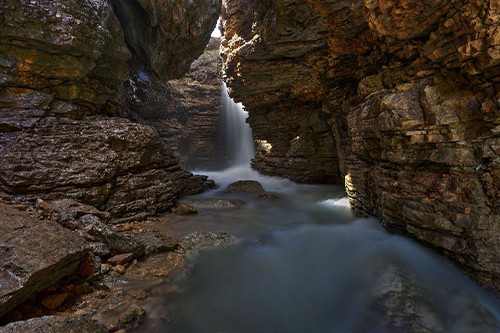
{"x":401,"y":97}
{"x":275,"y":65}
{"x":62,"y":69}
{"x":34,"y":255}
{"x":168,"y":35}
{"x":113,"y":164}
{"x":186,"y":112}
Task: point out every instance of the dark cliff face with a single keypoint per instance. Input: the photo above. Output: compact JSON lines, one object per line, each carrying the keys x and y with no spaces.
{"x":400,"y":97}
{"x":62,"y":69}
{"x":186,"y":112}
{"x":168,"y":35}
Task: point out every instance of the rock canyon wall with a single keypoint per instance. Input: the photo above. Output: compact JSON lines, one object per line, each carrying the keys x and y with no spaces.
{"x":399,"y":97}
{"x":63,"y":103}
{"x":74,"y":152}
{"x":186,"y":112}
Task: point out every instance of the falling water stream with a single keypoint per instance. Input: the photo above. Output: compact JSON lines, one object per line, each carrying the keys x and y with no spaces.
{"x":304,"y":263}
{"x":240,"y":148}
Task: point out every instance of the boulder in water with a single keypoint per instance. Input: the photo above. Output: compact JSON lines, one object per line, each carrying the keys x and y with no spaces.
{"x":185,"y":210}
{"x":245,"y":186}
{"x":201,"y":240}
{"x":269,"y":196}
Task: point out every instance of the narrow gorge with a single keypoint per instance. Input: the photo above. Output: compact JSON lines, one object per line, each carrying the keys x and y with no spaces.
{"x":318,"y":166}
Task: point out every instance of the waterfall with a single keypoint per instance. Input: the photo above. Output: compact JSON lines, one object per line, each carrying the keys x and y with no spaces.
{"x":240,"y":147}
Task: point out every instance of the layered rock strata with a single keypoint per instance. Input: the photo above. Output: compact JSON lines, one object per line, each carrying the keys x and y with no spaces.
{"x":34,"y":255}
{"x":400,"y":96}
{"x":62,"y":69}
{"x":186,"y":112}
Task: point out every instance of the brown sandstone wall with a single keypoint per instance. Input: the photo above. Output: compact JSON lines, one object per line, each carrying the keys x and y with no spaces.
{"x":410,"y":92}
{"x":62,"y":69}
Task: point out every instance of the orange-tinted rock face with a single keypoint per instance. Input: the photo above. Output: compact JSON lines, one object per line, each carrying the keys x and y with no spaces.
{"x":400,"y":97}
{"x":62,"y":69}
{"x":274,"y":63}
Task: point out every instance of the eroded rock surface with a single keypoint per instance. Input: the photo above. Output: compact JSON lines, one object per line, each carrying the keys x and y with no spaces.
{"x":399,"y":97}
{"x":34,"y":255}
{"x":62,"y":69}
{"x":55,"y":324}
{"x":113,"y":164}
{"x":186,"y":112}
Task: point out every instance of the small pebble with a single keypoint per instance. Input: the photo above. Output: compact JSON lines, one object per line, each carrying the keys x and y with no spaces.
{"x":119,"y":269}
{"x":105,"y":268}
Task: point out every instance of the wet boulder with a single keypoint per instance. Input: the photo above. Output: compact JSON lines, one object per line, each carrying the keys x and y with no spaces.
{"x":95,"y":230}
{"x":34,"y":255}
{"x":245,"y":186}
{"x":55,"y":324}
{"x":201,"y":240}
{"x":185,"y":210}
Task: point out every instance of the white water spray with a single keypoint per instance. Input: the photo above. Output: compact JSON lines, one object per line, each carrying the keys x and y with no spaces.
{"x":240,"y":146}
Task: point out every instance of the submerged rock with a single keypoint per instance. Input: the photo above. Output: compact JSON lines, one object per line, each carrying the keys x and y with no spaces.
{"x":55,"y":324}
{"x":245,"y":186}
{"x":268,"y":196}
{"x":34,"y":255}
{"x":185,"y":210}
{"x":201,"y":240}
{"x":216,"y":203}
{"x":131,"y":318}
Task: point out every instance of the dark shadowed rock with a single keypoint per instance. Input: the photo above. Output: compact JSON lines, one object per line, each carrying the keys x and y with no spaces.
{"x":34,"y":255}
{"x":186,"y":112}
{"x":68,"y":210}
{"x":168,"y":35}
{"x":97,"y":231}
{"x":55,"y":324}
{"x":245,"y":186}
{"x":113,"y":164}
